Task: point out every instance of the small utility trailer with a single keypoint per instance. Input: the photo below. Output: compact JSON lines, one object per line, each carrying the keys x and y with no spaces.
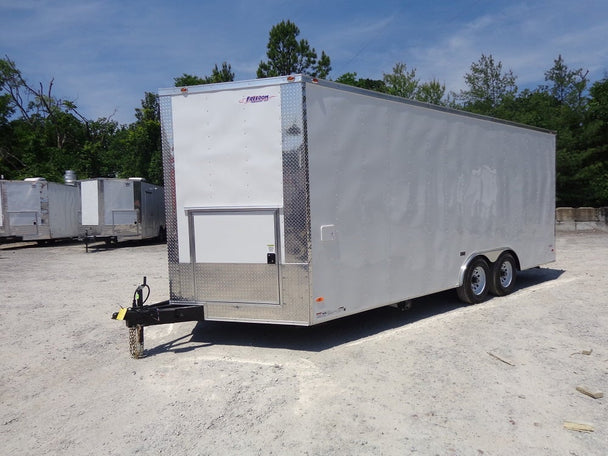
{"x":36,"y":210}
{"x":115,"y":210}
{"x":296,"y":201}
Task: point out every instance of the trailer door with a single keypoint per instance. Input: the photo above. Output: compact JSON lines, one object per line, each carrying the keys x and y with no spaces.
{"x":235,"y":253}
{"x":23,"y":207}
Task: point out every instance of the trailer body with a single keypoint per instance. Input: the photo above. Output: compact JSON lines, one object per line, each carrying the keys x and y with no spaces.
{"x":121,"y":209}
{"x":297,"y":201}
{"x":37,"y":210}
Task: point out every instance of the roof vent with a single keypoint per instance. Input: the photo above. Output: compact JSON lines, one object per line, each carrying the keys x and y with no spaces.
{"x":69,"y":178}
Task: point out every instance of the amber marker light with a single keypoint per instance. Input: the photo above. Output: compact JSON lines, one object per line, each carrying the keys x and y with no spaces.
{"x":320,"y":299}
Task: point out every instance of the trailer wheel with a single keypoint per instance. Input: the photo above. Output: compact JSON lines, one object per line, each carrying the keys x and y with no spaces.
{"x":504,"y":273}
{"x":474,"y":288}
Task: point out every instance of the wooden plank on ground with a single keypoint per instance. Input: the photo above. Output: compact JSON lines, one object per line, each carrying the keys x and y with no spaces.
{"x":588,"y":392}
{"x":579,"y":427}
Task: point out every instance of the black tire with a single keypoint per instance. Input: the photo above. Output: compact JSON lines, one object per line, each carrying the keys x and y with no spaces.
{"x":474,"y":288}
{"x":504,"y":275}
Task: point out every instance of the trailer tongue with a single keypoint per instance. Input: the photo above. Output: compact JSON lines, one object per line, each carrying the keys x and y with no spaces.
{"x":140,"y":315}
{"x":295,"y":201}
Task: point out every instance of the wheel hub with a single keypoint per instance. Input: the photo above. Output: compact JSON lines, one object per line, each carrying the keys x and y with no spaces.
{"x":478,"y":280}
{"x":506,"y":274}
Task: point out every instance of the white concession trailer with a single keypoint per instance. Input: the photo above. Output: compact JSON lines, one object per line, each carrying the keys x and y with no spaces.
{"x":36,"y":210}
{"x":121,"y":209}
{"x":292,"y":200}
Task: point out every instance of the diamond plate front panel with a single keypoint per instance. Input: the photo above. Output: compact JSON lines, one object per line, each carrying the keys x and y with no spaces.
{"x":237,"y":282}
{"x":294,"y":308}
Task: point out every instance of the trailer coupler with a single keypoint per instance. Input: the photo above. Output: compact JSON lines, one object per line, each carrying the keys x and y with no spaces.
{"x":140,"y":315}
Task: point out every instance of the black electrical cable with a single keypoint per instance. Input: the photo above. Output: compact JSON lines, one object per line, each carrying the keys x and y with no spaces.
{"x":140,"y":289}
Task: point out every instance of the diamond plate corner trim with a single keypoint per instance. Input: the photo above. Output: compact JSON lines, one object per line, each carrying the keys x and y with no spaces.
{"x":166,"y":121}
{"x":296,"y":203}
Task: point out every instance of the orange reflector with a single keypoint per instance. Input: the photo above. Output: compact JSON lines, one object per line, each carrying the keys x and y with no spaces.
{"x":291,"y":78}
{"x":320,"y":299}
{"x":184,"y":89}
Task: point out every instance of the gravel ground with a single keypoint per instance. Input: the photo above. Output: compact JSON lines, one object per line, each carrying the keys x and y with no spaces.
{"x":497,"y":378}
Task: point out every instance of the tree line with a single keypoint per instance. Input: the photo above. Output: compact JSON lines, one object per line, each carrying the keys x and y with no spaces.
{"x":42,"y":135}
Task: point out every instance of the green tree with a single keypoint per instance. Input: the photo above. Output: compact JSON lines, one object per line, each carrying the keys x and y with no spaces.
{"x":567,"y":86}
{"x":138,"y":147}
{"x":488,"y":86}
{"x":323,"y":66}
{"x":188,"y":80}
{"x":223,"y":74}
{"x":565,"y":112}
{"x":588,"y":180}
{"x":45,"y":132}
{"x":348,"y":79}
{"x":363,"y":83}
{"x":7,"y":108}
{"x":12,"y":87}
{"x":41,"y":135}
{"x":431,"y":92}
{"x":96,"y":158}
{"x":286,"y":55}
{"x":530,"y":107}
{"x":401,"y":82}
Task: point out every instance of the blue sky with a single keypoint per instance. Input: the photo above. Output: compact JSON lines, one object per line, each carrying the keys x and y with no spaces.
{"x":105,"y":54}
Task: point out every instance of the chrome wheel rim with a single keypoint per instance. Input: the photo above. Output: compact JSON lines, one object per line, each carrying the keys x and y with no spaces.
{"x":478,"y":280}
{"x":506,"y":274}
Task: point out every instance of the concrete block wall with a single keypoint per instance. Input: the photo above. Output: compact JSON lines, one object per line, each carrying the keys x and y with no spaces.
{"x":581,"y":218}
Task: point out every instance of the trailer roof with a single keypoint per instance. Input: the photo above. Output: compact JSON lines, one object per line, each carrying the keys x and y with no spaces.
{"x":301,"y":78}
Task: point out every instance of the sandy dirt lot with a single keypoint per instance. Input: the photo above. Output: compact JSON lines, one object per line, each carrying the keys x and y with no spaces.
{"x":497,"y":378}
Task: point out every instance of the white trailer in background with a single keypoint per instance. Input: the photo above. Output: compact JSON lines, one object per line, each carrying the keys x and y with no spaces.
{"x":115,"y":210}
{"x":297,"y":201}
{"x":37,"y":210}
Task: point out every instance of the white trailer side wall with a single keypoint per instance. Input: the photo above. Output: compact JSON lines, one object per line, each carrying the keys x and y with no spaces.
{"x":406,"y":194}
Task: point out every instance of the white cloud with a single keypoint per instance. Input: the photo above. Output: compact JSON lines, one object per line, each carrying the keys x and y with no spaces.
{"x":524,"y":39}
{"x":106,"y":54}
